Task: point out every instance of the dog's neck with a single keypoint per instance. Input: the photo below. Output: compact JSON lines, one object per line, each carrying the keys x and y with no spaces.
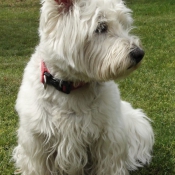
{"x":61,"y":85}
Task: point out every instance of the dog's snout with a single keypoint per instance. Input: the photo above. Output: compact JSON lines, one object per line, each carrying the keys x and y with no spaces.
{"x":137,"y":54}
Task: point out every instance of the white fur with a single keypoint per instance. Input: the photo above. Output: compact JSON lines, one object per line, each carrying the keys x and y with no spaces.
{"x":90,"y":131}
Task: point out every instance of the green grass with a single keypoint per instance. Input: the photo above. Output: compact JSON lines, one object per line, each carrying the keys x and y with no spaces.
{"x":152,"y":87}
{"x":18,"y":36}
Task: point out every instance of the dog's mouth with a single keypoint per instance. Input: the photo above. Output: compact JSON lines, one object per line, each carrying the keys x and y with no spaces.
{"x":135,"y":66}
{"x":130,"y":67}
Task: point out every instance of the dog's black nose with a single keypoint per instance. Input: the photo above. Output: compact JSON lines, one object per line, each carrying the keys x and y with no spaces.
{"x":137,"y":54}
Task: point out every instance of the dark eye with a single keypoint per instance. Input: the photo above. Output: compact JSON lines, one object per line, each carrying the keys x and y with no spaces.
{"x":101,"y":28}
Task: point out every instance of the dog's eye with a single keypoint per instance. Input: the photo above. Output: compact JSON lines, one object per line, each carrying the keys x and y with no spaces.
{"x":101,"y":28}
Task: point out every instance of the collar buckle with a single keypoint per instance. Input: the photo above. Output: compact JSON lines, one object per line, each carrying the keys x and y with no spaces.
{"x":63,"y":86}
{"x":45,"y":82}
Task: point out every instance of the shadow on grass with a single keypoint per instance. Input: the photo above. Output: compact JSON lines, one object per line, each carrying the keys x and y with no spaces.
{"x":162,"y":163}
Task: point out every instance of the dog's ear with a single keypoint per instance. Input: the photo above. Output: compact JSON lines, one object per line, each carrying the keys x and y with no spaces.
{"x":66,"y":3}
{"x":63,"y":1}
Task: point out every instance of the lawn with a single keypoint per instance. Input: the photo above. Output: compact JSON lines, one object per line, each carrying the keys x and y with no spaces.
{"x":151,"y":87}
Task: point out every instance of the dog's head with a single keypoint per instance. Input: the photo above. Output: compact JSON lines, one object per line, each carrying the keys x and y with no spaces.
{"x":89,"y":39}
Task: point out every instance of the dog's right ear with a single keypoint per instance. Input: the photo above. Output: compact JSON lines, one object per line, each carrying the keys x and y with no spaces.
{"x":63,"y":1}
{"x":66,"y":3}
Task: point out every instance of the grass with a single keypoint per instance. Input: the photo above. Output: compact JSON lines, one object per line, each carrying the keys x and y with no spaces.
{"x":152,"y":87}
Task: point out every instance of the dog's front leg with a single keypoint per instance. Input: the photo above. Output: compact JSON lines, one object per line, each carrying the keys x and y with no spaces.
{"x":110,"y":153}
{"x":30,"y":155}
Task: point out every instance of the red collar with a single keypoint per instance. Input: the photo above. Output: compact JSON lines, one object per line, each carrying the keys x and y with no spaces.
{"x":61,"y":85}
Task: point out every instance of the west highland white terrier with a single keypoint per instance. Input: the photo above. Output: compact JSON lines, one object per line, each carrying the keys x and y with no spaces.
{"x":76,"y":124}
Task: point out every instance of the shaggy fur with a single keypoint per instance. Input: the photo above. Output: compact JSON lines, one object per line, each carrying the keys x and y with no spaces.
{"x":90,"y":131}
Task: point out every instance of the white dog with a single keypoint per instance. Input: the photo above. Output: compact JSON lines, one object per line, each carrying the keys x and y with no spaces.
{"x":76,"y":124}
